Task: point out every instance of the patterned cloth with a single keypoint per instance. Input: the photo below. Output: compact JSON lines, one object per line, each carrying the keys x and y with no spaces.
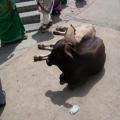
{"x":46,"y":5}
{"x":57,"y":5}
{"x":11,"y":27}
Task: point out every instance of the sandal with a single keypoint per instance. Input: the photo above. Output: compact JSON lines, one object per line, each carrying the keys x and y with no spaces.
{"x":45,"y":27}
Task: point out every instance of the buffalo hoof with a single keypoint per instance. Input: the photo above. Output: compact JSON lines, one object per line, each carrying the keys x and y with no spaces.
{"x":48,"y":62}
{"x":41,"y":46}
{"x":37,"y":58}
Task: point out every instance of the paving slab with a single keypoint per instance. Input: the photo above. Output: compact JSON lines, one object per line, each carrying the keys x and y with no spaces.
{"x":33,"y":91}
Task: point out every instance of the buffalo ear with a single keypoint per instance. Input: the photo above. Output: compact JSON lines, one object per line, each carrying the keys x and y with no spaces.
{"x":70,"y":51}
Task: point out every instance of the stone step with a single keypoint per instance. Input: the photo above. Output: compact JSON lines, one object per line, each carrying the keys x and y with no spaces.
{"x":26,"y":6}
{"x":30,"y":17}
{"x":32,"y":27}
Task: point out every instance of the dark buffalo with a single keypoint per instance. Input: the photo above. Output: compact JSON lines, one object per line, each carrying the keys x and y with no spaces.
{"x":78,"y":61}
{"x":78,"y":56}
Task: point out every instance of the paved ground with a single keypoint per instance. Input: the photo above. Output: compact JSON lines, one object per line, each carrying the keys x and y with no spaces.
{"x":33,"y":90}
{"x":99,"y":12}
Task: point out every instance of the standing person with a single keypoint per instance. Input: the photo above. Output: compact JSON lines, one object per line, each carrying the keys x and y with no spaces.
{"x":11,"y":27}
{"x":46,"y":7}
{"x":57,"y":7}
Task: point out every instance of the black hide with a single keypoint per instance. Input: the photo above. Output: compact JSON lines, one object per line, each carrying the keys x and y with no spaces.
{"x":78,"y":61}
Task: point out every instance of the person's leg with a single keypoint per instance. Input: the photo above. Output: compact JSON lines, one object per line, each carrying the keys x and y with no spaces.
{"x":57,"y":7}
{"x":46,"y":18}
{"x":46,"y":21}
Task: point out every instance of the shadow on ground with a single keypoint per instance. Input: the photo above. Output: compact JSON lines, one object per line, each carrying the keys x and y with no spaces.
{"x":6,"y":52}
{"x":40,"y":37}
{"x":56,"y":19}
{"x":60,"y":97}
{"x":80,"y":3}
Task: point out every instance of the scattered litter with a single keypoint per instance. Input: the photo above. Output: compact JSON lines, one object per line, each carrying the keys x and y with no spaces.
{"x":74,"y":109}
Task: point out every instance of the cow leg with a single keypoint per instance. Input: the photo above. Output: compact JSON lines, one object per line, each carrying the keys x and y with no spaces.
{"x":62,"y":79}
{"x":58,"y":33}
{"x":61,"y":29}
{"x":44,"y":47}
{"x":39,"y":58}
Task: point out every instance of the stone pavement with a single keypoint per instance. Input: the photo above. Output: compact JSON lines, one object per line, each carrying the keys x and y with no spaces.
{"x":32,"y":88}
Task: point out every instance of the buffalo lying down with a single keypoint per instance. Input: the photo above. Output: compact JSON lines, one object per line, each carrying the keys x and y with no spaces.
{"x":78,"y":59}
